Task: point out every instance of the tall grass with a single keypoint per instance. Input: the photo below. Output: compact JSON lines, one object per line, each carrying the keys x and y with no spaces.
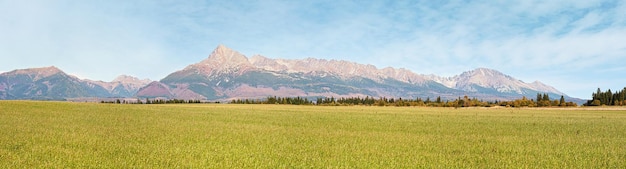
{"x":86,"y":135}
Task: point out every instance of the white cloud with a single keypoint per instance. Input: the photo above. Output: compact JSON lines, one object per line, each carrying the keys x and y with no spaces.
{"x":586,"y":22}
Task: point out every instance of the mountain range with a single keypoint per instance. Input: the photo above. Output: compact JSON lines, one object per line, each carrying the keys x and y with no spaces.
{"x":227,"y":74}
{"x":50,"y":83}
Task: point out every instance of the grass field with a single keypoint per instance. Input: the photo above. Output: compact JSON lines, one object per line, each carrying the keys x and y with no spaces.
{"x":90,"y":135}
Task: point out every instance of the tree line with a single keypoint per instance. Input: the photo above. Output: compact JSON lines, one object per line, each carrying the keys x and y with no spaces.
{"x":607,"y":98}
{"x":599,"y":98}
{"x":543,"y":100}
{"x":153,"y":101}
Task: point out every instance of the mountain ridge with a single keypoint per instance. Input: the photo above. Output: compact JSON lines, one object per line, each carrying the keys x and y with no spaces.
{"x":226,"y":71}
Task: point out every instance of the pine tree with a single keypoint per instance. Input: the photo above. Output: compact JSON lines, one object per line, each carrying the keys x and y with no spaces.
{"x":546,"y":97}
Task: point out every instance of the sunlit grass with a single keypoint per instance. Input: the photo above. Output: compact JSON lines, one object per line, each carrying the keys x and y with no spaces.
{"x":86,"y":135}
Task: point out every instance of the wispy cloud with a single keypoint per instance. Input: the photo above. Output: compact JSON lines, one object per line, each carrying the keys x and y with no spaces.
{"x":526,"y":39}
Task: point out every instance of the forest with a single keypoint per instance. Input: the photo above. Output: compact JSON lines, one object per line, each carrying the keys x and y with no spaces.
{"x":543,"y":100}
{"x":599,"y":98}
{"x":608,"y":98}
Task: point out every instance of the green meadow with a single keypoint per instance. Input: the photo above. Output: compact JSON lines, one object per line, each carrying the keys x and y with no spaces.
{"x":92,"y":135}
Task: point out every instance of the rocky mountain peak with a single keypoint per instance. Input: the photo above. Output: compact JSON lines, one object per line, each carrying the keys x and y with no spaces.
{"x":265,"y":63}
{"x":226,"y":56}
{"x":130,"y":79}
{"x":258,"y":58}
{"x":222,"y":60}
{"x":482,"y":72}
{"x":36,"y":73}
{"x":484,"y":77}
{"x":52,"y":69}
{"x":42,"y":70}
{"x":122,"y":78}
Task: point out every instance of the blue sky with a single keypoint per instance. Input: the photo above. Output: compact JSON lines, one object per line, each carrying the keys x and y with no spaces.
{"x":575,"y":46}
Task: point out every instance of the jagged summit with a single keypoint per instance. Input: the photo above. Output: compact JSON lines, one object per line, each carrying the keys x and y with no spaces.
{"x":265,"y":63}
{"x":484,"y":72}
{"x":487,"y":78}
{"x":53,"y":69}
{"x":221,"y":60}
{"x":222,"y":49}
{"x":36,"y":73}
{"x":41,"y":70}
{"x":130,"y":79}
{"x":122,"y":78}
{"x":484,"y":75}
{"x":227,"y":57}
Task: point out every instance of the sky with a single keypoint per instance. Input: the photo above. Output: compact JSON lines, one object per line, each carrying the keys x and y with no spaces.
{"x":575,"y":46}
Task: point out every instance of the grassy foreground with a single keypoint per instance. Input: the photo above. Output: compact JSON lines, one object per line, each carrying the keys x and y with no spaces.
{"x":89,"y":135}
